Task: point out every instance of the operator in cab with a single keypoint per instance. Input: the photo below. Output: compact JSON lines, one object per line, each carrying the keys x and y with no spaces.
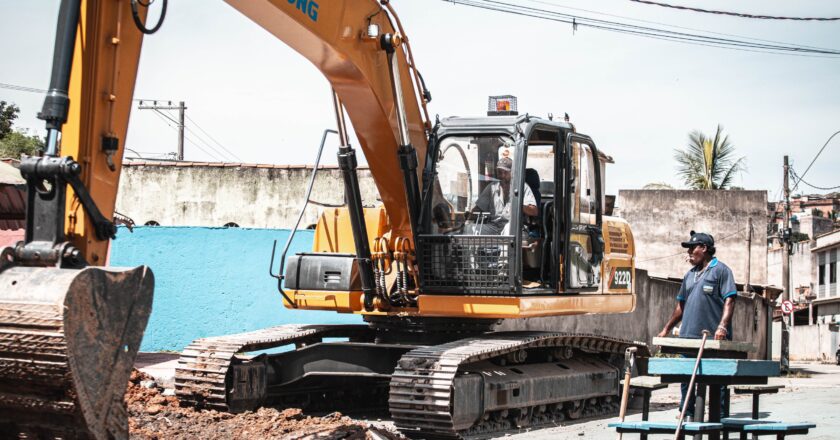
{"x":493,"y":205}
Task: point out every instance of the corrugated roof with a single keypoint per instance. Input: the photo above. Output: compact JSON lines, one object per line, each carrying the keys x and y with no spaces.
{"x":12,"y":207}
{"x":182,"y":163}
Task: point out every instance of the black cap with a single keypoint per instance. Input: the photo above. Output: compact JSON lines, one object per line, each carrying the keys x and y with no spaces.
{"x":698,"y":238}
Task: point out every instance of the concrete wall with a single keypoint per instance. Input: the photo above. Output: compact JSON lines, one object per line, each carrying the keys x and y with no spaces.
{"x":187,"y":194}
{"x":817,"y":342}
{"x":662,"y":219}
{"x":656,"y":300}
{"x":800,"y":266}
{"x":212,"y":281}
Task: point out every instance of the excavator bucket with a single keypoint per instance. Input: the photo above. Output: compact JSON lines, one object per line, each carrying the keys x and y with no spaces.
{"x":68,"y":339}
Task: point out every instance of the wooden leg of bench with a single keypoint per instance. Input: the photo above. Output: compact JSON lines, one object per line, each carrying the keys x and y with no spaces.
{"x":645,"y":405}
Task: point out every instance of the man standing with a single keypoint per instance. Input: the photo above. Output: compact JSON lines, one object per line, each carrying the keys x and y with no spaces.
{"x":495,"y":201}
{"x":705,"y":301}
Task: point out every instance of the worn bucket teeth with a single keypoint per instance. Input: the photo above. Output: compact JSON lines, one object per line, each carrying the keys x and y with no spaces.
{"x":201,"y":377}
{"x":421,"y":386}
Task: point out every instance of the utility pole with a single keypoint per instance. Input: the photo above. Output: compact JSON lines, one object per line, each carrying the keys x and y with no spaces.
{"x":180,"y":122}
{"x":747,"y":287}
{"x":785,"y":355}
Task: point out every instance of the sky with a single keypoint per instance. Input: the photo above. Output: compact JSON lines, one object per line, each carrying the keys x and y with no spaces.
{"x":637,"y":97}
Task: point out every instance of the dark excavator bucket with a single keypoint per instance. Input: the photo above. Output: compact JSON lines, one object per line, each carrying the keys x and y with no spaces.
{"x":68,"y":339}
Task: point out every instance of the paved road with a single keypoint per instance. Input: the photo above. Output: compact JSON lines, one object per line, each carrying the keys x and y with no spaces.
{"x":813,"y":399}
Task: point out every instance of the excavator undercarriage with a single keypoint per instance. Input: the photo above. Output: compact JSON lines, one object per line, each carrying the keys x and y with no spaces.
{"x":473,"y":385}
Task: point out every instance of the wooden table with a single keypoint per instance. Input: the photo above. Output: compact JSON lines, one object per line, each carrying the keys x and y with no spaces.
{"x":713,"y":372}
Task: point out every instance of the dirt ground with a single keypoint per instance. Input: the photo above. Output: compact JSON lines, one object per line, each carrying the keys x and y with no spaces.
{"x":153,"y":416}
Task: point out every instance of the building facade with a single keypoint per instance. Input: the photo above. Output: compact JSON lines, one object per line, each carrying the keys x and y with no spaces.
{"x":825,"y":256}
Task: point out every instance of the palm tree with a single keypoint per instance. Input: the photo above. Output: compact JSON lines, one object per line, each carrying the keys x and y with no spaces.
{"x":708,"y":163}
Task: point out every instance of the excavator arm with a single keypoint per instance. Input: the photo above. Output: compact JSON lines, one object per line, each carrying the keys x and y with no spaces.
{"x":69,"y":330}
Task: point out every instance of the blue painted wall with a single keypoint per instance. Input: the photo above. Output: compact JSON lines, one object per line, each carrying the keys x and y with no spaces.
{"x":212,"y":281}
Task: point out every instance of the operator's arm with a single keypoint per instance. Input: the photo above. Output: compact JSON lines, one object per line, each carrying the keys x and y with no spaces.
{"x":529,"y":202}
{"x":728,"y":308}
{"x":675,"y":318}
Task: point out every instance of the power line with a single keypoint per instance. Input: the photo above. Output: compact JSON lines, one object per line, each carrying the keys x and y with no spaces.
{"x":735,"y":14}
{"x":21,"y":88}
{"x":544,"y":2}
{"x":683,"y":252}
{"x":647,"y":31}
{"x":815,"y":159}
{"x":166,"y":121}
{"x":799,"y":179}
{"x":207,"y":144}
{"x":213,"y":139}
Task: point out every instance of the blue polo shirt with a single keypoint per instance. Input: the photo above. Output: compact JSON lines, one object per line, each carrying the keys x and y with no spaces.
{"x":704,"y":292}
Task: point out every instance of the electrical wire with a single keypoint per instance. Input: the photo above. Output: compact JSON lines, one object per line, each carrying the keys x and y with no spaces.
{"x":212,"y":138}
{"x":624,"y":17}
{"x":165,"y":119}
{"x":207,"y":144}
{"x":646,"y":31}
{"x":734,"y":14}
{"x":799,"y":180}
{"x":684,"y":252}
{"x":21,"y":88}
{"x":814,"y":160}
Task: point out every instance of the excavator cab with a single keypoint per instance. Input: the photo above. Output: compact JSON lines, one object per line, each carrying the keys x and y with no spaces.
{"x":514,"y":208}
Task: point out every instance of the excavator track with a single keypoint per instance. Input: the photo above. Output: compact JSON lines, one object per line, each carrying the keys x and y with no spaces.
{"x":202,"y":378}
{"x":423,"y":386}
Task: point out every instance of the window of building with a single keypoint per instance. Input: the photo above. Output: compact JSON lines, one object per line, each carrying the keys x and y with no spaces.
{"x":832,"y":273}
{"x":822,"y":275}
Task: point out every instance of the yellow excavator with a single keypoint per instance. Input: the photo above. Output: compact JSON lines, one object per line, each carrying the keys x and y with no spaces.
{"x":483,"y":219}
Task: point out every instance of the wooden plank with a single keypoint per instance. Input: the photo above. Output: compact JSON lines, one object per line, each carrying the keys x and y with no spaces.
{"x":646,"y":382}
{"x":711,"y":344}
{"x":757,"y":389}
{"x":714,"y":367}
{"x":693,"y":427}
{"x":778,"y":427}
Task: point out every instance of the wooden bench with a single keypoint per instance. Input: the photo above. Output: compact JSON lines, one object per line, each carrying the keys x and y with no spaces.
{"x":647,"y":384}
{"x":653,"y":428}
{"x":756,"y":391}
{"x":779,"y":429}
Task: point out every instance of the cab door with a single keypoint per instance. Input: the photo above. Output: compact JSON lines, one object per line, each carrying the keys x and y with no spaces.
{"x":583,"y":246}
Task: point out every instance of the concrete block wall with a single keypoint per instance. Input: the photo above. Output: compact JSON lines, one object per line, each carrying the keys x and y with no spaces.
{"x":817,"y":342}
{"x":252,"y":196}
{"x":655,"y":301}
{"x":662,"y":219}
{"x":212,"y":281}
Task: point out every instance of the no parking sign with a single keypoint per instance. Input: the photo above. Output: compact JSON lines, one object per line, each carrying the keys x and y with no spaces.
{"x":787,"y":307}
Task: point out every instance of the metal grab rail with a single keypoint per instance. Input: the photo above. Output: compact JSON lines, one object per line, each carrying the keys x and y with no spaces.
{"x":280,"y":275}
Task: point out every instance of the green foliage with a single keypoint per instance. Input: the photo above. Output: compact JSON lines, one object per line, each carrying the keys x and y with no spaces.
{"x":13,"y":143}
{"x":17,"y":142}
{"x":816,"y":212}
{"x":8,"y":114}
{"x":708,"y":163}
{"x":657,"y":185}
{"x":796,"y":237}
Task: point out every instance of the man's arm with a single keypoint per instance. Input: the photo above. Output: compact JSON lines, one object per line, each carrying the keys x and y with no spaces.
{"x":529,"y":202}
{"x":728,"y":308}
{"x":728,"y":290}
{"x":675,"y":318}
